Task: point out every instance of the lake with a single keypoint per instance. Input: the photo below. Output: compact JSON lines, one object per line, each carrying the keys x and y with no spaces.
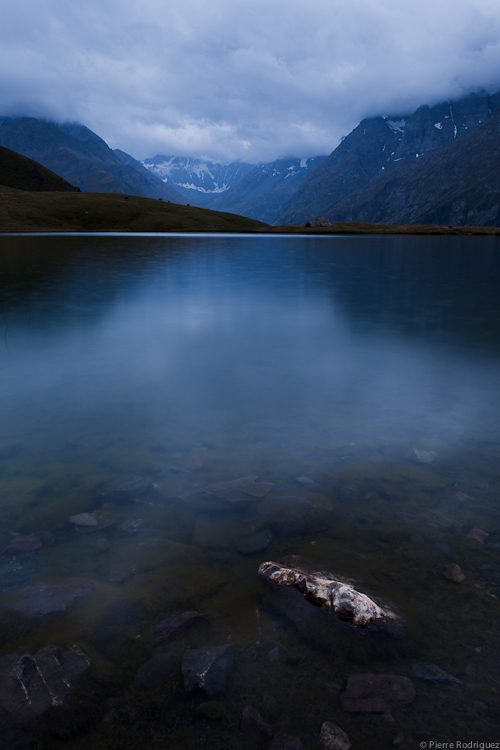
{"x":353,"y":383}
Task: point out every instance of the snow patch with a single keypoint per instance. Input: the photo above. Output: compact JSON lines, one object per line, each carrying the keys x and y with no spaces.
{"x":398,"y":125}
{"x":303,"y":163}
{"x":438,"y":125}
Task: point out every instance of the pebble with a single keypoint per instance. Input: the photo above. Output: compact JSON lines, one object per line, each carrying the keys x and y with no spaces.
{"x":398,"y":740}
{"x":425,"y":670}
{"x":332,"y":737}
{"x":442,"y":547}
{"x":349,"y":493}
{"x":84,"y":519}
{"x":273,"y":654}
{"x":207,"y":668}
{"x":454,"y":573}
{"x":463,"y":498}
{"x":172,"y":627}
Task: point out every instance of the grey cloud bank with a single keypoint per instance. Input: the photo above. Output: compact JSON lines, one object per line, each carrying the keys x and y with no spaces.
{"x":250,"y":80}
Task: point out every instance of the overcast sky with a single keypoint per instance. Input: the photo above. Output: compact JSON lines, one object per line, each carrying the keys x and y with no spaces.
{"x":240,"y":79}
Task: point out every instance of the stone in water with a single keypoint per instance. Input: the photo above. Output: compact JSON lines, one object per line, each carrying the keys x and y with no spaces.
{"x":477,"y":535}
{"x":84,"y":519}
{"x":425,"y":457}
{"x":454,"y":573}
{"x":425,"y":670}
{"x":333,"y":737}
{"x":377,"y":693}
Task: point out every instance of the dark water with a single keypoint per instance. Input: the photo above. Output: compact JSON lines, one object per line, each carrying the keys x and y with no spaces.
{"x":370,"y":366}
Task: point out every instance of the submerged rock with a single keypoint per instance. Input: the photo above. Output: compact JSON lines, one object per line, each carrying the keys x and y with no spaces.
{"x":292,"y":514}
{"x":126,"y":488}
{"x":255,"y":543}
{"x":84,"y":519}
{"x":425,"y":457}
{"x":477,"y":535}
{"x":377,"y":693}
{"x":425,"y":670}
{"x":333,"y":737}
{"x":225,"y":494}
{"x":155,"y":671}
{"x":174,"y":626}
{"x":286,"y":742}
{"x":40,"y":599}
{"x":334,"y":595}
{"x":207,"y":668}
{"x":131,"y":526}
{"x":21,"y":545}
{"x":454,"y":573}
{"x":30,"y":685}
{"x":254,"y":726}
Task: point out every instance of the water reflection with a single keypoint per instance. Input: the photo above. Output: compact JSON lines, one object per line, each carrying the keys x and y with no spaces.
{"x":368,"y":367}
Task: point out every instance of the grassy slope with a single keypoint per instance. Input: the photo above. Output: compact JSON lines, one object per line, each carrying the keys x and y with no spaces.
{"x":23,"y":211}
{"x":17,"y":171}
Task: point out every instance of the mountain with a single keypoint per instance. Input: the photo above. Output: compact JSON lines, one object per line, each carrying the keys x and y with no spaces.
{"x":195,"y":178}
{"x":379,"y":145}
{"x":459,"y":184}
{"x":81,"y":157}
{"x":17,"y":171}
{"x":261,"y":193}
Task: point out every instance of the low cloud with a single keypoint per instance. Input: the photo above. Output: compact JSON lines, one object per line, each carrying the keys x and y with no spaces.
{"x":253,"y":80}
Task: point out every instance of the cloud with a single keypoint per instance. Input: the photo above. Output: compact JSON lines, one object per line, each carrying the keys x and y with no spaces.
{"x":253,"y":80}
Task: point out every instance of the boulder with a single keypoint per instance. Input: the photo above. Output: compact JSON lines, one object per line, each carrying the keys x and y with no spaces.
{"x":40,"y":599}
{"x":155,"y":671}
{"x":254,"y":726}
{"x":31,"y":685}
{"x":335,"y":595}
{"x":377,"y":693}
{"x":207,"y":668}
{"x":333,"y":737}
{"x":172,"y":627}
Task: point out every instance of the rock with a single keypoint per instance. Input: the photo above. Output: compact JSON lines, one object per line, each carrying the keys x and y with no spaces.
{"x":259,"y":541}
{"x":98,"y":542}
{"x":321,"y":221}
{"x":334,"y":595}
{"x":20,"y":545}
{"x":132,"y":526}
{"x":40,"y":599}
{"x":482,"y":486}
{"x":463,"y":498}
{"x":213,"y":710}
{"x":454,"y":573}
{"x":174,"y":626}
{"x":84,"y":519}
{"x":398,"y":740}
{"x":377,"y":693}
{"x":155,"y":671}
{"x":286,"y":742}
{"x":207,"y":668}
{"x":425,"y":457}
{"x":477,"y":535}
{"x":254,"y":726}
{"x":424,"y":670}
{"x":349,"y":494}
{"x":126,"y":488}
{"x":30,"y":685}
{"x":304,"y":481}
{"x":225,"y":494}
{"x":442,"y":547}
{"x":333,"y":737}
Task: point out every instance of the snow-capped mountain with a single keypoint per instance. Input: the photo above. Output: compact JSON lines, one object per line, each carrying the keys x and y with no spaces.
{"x":195,"y":178}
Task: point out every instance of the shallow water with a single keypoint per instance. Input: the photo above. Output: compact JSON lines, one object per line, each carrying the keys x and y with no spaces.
{"x":369,"y":365}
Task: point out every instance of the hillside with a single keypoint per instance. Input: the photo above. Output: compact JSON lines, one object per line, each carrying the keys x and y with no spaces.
{"x":80,"y":157}
{"x":17,"y":171}
{"x":23,"y":211}
{"x":380,"y":145}
{"x":456,"y":185}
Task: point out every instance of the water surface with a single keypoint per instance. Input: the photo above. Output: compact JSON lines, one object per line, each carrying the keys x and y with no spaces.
{"x":368,"y":365}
